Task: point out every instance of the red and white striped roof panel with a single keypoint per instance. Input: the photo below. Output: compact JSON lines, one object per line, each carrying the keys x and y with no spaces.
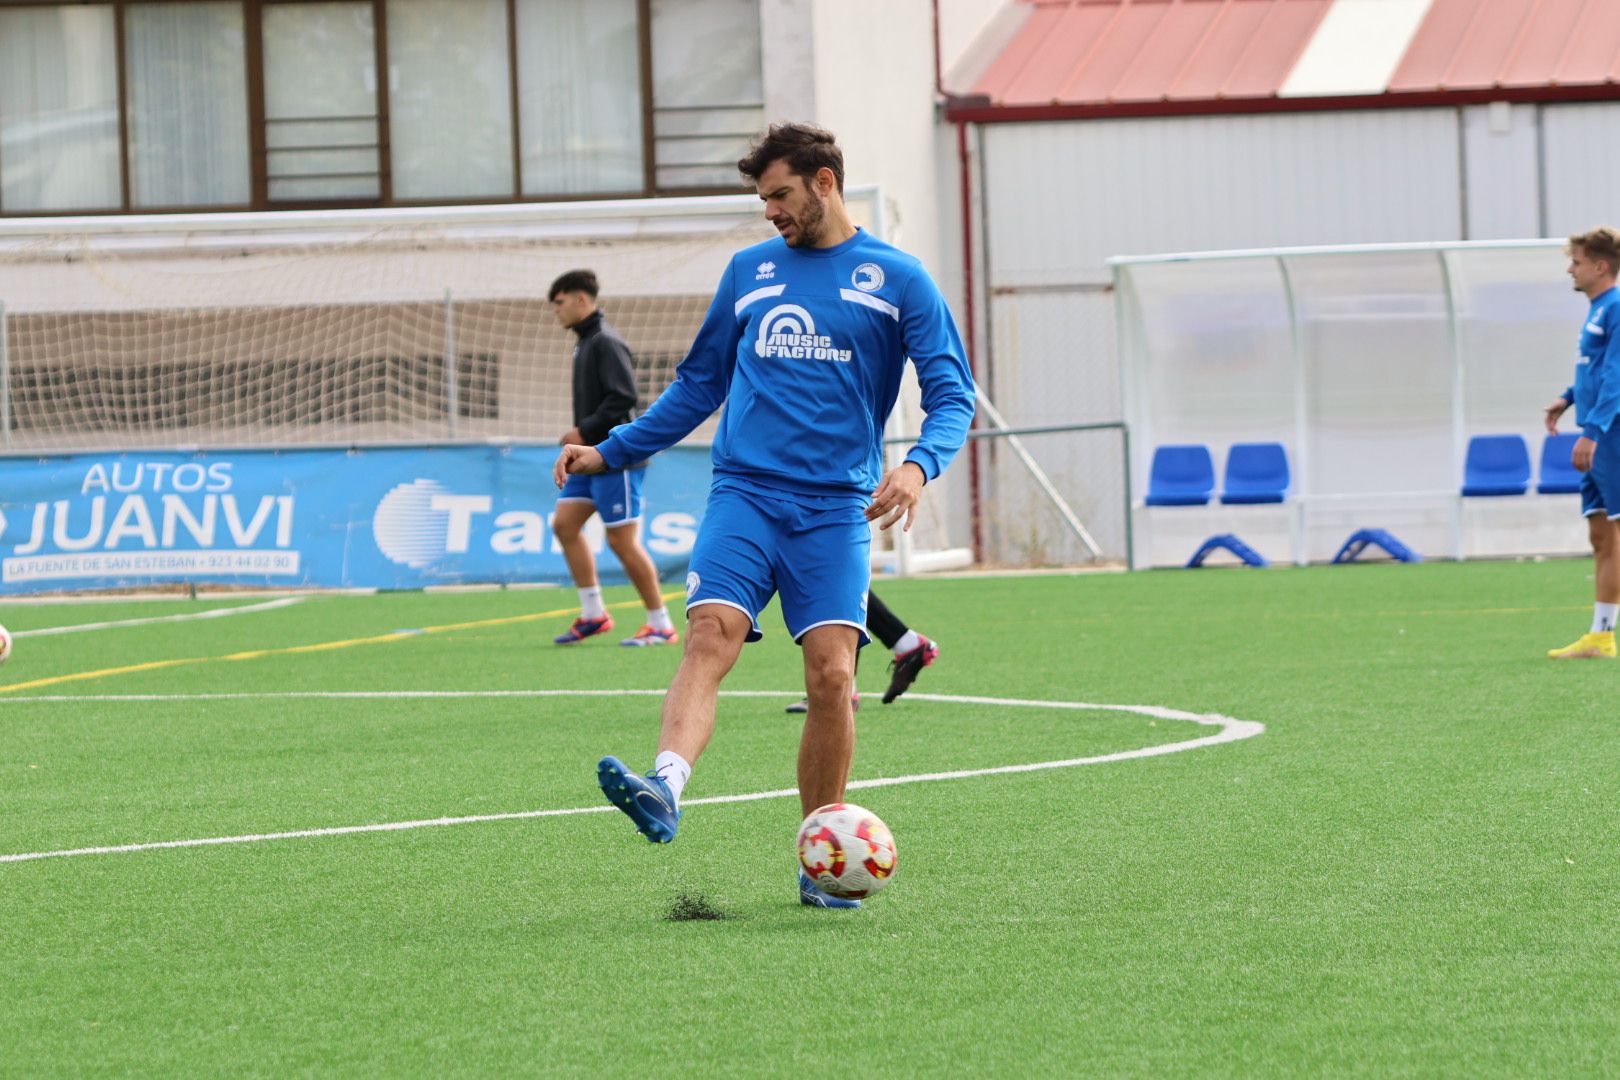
{"x":1102,"y":53}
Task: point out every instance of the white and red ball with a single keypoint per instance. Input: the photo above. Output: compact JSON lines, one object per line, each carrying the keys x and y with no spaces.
{"x":847,"y":850}
{"x":5,"y":644}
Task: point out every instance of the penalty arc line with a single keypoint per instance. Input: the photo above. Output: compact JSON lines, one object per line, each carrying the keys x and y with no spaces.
{"x":1231,"y":730}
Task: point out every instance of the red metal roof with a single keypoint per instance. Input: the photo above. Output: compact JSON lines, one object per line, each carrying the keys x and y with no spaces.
{"x":1108,"y":51}
{"x":1101,"y":57}
{"x":1477,"y":44}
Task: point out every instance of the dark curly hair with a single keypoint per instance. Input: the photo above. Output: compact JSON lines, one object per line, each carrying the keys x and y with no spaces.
{"x":806,"y":148}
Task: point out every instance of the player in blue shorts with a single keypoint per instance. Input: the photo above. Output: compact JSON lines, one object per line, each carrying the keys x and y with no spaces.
{"x":604,"y":397}
{"x":1593,"y":259}
{"x":804,"y":344}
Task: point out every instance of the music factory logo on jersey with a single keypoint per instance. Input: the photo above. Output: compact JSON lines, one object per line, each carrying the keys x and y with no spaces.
{"x":787,"y":332}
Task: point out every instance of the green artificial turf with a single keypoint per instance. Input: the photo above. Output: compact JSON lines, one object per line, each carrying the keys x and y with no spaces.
{"x":1412,"y":872}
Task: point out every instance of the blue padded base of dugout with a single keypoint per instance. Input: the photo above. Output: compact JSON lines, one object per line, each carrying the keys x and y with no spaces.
{"x":1362,"y":539}
{"x":1229,"y":542}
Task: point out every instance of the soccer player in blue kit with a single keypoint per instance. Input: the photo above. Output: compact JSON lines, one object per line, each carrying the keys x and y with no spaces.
{"x":804,"y":344}
{"x":1594,"y":257}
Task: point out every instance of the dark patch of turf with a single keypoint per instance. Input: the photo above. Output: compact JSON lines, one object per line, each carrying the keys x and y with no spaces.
{"x":693,"y":907}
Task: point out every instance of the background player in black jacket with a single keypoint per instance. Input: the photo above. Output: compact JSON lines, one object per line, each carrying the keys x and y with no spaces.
{"x":604,"y":397}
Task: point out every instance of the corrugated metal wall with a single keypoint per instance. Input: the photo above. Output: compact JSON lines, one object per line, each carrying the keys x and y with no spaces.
{"x":1058,"y":198}
{"x":1581,"y":145}
{"x":1064,"y":196}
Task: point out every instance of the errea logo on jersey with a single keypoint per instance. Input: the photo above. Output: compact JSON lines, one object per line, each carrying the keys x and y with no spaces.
{"x":767,"y":270}
{"x":787,"y":332}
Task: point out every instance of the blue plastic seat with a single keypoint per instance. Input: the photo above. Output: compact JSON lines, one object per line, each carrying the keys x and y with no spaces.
{"x":1255,"y":473}
{"x":1558,"y":476}
{"x":1496,"y":465}
{"x":1181,"y":476}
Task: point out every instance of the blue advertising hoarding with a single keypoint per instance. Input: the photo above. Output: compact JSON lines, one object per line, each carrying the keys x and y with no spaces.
{"x":389,"y":518}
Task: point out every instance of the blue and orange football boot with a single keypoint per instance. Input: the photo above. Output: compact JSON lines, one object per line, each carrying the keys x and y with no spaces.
{"x":647,"y":800}
{"x":649,"y":635}
{"x":584,"y":628}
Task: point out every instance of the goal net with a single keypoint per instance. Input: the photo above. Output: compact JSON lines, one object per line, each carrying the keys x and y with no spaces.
{"x":341,"y":328}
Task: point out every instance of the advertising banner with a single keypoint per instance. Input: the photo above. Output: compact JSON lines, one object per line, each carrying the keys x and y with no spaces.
{"x":377,"y":518}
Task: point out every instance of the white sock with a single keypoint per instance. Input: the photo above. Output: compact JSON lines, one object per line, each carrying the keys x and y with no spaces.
{"x":590,"y":603}
{"x":906,"y":643}
{"x":660,"y":620}
{"x":674,"y":770}
{"x":1603,"y":617}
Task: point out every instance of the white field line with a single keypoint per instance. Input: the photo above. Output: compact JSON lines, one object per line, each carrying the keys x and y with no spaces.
{"x":1229,"y":730}
{"x":212,"y":613}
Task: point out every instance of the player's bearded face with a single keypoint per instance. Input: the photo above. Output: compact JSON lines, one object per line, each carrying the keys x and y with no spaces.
{"x":798,"y":212}
{"x":793,"y":205}
{"x":810,"y":221}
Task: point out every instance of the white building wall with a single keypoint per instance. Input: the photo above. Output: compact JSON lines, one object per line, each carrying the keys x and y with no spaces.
{"x":961,"y":22}
{"x":787,"y":60}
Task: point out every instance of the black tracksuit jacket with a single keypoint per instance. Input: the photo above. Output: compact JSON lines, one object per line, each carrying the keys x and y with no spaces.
{"x":604,"y":382}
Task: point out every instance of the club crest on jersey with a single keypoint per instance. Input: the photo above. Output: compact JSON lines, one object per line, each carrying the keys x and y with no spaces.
{"x":787,"y":332}
{"x":868,"y":277}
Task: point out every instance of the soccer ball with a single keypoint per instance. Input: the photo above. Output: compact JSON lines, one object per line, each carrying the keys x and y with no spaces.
{"x":847,"y":850}
{"x":5,"y":644}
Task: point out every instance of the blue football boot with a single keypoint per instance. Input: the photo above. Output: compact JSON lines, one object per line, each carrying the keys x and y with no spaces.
{"x":810,"y":896}
{"x":646,"y":799}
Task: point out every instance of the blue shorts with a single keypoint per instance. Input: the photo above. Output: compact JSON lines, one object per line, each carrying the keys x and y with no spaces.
{"x":617,"y":495}
{"x":1600,"y":486}
{"x":812,"y":551}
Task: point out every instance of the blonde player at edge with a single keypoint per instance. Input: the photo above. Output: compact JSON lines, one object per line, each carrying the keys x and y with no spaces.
{"x":1594,"y":256}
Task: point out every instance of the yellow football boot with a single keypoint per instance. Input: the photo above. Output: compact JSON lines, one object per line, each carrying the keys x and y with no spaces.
{"x":1594,"y":646}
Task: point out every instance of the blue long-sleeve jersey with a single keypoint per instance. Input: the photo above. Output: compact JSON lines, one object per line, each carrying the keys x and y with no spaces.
{"x":805,"y":347}
{"x":1596,"y":393}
